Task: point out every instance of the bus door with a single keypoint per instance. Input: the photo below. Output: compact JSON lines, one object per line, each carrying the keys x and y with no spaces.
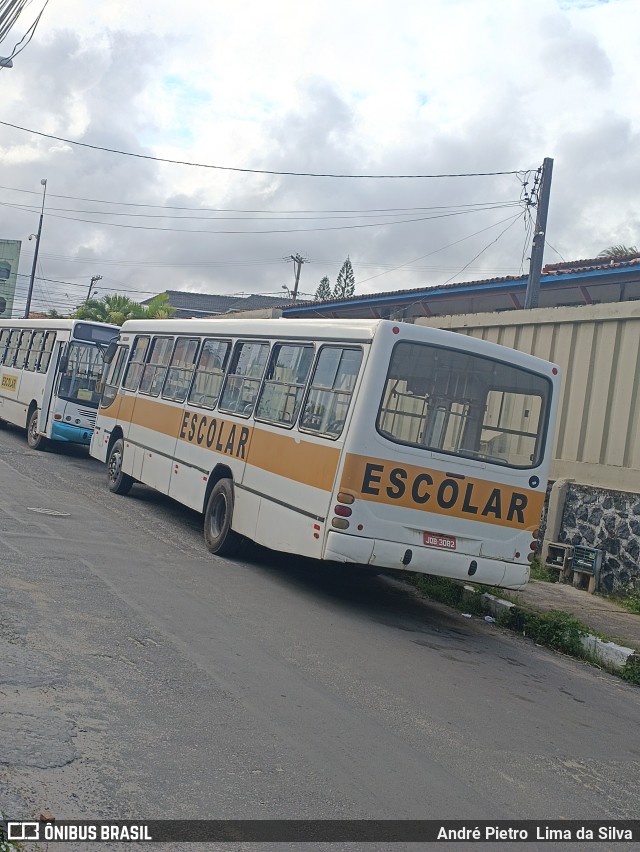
{"x":47,"y":405}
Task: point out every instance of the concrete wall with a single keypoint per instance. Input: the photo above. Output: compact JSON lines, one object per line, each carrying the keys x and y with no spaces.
{"x":597,"y":440}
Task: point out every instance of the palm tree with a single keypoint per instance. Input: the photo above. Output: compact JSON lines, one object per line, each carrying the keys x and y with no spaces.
{"x":112,"y":309}
{"x":158,"y":308}
{"x":620,"y":251}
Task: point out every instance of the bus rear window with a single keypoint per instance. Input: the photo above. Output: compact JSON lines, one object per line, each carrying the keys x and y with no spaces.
{"x":464,"y":404}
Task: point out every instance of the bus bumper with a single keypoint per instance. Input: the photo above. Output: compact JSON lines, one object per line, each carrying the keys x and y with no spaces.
{"x":425,"y":560}
{"x":70,"y":434}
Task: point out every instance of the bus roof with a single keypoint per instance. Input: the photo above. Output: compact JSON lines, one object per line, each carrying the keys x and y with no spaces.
{"x":53,"y":324}
{"x":327,"y":328}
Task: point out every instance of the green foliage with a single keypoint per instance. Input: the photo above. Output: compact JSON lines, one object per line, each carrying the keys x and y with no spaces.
{"x":324,"y":290}
{"x":117,"y":309}
{"x":556,"y":629}
{"x":541,"y":572}
{"x":346,"y":283}
{"x":449,"y":592}
{"x":630,"y":601}
{"x":619,"y":251}
{"x":631,"y":670}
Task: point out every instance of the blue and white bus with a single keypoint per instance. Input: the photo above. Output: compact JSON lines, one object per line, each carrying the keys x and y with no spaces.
{"x":50,"y":374}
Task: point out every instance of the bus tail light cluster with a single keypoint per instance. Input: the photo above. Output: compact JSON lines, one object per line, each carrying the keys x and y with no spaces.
{"x":342,"y":510}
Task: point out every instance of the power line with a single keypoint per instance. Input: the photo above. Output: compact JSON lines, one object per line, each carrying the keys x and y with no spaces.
{"x":392,"y":210}
{"x":272,"y":230}
{"x":254,"y":171}
{"x":272,"y":216}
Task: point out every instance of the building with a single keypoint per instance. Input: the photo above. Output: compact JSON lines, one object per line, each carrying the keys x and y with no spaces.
{"x":201,"y":305}
{"x":580,"y":282}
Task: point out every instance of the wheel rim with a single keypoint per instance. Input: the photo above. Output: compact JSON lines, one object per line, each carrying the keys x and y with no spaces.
{"x":218,"y":516}
{"x":33,"y":428}
{"x":115,"y":465}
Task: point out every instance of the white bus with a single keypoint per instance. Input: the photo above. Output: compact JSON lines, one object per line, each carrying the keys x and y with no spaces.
{"x":50,"y":372}
{"x":368,"y":442}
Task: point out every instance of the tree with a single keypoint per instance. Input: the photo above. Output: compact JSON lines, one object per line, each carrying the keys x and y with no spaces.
{"x":324,"y":290}
{"x":346,"y":283}
{"x":116,"y":309}
{"x":619,"y":251}
{"x":112,"y":309}
{"x":158,"y":308}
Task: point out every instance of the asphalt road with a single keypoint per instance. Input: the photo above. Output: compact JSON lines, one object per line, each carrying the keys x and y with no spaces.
{"x":141,"y":677}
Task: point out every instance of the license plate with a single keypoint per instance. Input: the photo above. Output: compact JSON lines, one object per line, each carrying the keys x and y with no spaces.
{"x":446,"y":542}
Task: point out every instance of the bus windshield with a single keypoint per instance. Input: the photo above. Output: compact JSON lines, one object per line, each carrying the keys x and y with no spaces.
{"x":80,"y":381}
{"x":464,"y":404}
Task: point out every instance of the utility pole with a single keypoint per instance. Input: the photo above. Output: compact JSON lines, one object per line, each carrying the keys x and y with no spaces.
{"x":94,"y":280}
{"x":27,"y":307}
{"x":298,"y":260}
{"x":537,"y":245}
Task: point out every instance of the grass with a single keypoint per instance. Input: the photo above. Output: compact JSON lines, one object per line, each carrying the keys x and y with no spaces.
{"x":541,"y":572}
{"x":631,"y":670}
{"x":630,"y":601}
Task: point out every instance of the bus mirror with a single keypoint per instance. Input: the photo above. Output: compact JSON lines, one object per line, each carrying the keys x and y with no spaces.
{"x":110,"y":351}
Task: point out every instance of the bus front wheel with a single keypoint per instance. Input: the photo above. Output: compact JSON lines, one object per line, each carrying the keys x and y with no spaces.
{"x":218,"y":535}
{"x":118,"y":481}
{"x":34,"y":438}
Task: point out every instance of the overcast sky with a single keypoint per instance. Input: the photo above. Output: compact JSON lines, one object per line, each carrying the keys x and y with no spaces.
{"x":410,"y":87}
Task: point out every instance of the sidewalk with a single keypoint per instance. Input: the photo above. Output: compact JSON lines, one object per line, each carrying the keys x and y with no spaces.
{"x":600,"y":614}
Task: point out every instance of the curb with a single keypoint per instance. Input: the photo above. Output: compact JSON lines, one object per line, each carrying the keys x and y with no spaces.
{"x":612,"y":655}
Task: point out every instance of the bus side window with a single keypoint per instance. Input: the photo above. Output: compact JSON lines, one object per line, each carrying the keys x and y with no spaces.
{"x":283,"y":389}
{"x":31,"y":363}
{"x":136,"y":364}
{"x":4,"y":340}
{"x":23,"y":348}
{"x":334,"y":379}
{"x":47,"y":349}
{"x":244,"y":377}
{"x":155,"y":369}
{"x":181,"y":368}
{"x":114,"y":374}
{"x":12,"y":348}
{"x":205,"y":389}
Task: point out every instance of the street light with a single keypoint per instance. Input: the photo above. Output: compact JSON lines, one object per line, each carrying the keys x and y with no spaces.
{"x":94,"y":280}
{"x":35,"y":253}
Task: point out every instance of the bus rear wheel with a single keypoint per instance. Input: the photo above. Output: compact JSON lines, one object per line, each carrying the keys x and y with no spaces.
{"x":118,"y":481}
{"x":34,"y":438}
{"x":218,"y":535}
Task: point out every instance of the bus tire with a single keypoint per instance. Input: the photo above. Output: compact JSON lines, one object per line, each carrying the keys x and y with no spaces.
{"x":218,"y":535}
{"x":118,"y":481}
{"x":34,"y":439}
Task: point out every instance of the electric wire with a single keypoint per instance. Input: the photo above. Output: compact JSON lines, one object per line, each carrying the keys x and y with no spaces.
{"x":256,"y":171}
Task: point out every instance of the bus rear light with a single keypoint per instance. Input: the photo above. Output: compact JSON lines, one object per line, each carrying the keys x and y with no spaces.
{"x":340,"y":523}
{"x":57,"y":416}
{"x":344,"y":511}
{"x":533,"y":546}
{"x":516,"y":555}
{"x":536,"y":533}
{"x":343,"y":497}
{"x":531,"y":557}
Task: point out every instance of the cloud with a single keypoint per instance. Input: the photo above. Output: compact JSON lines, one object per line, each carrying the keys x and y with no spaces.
{"x":408,"y":88}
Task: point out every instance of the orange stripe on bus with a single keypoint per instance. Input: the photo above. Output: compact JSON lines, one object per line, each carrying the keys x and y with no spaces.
{"x":397,"y":484}
{"x":291,"y":457}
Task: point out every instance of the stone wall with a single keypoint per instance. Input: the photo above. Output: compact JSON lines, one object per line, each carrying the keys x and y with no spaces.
{"x":610,"y":521}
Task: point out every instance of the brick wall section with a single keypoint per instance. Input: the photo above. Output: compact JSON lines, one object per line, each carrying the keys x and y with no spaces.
{"x":610,"y":521}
